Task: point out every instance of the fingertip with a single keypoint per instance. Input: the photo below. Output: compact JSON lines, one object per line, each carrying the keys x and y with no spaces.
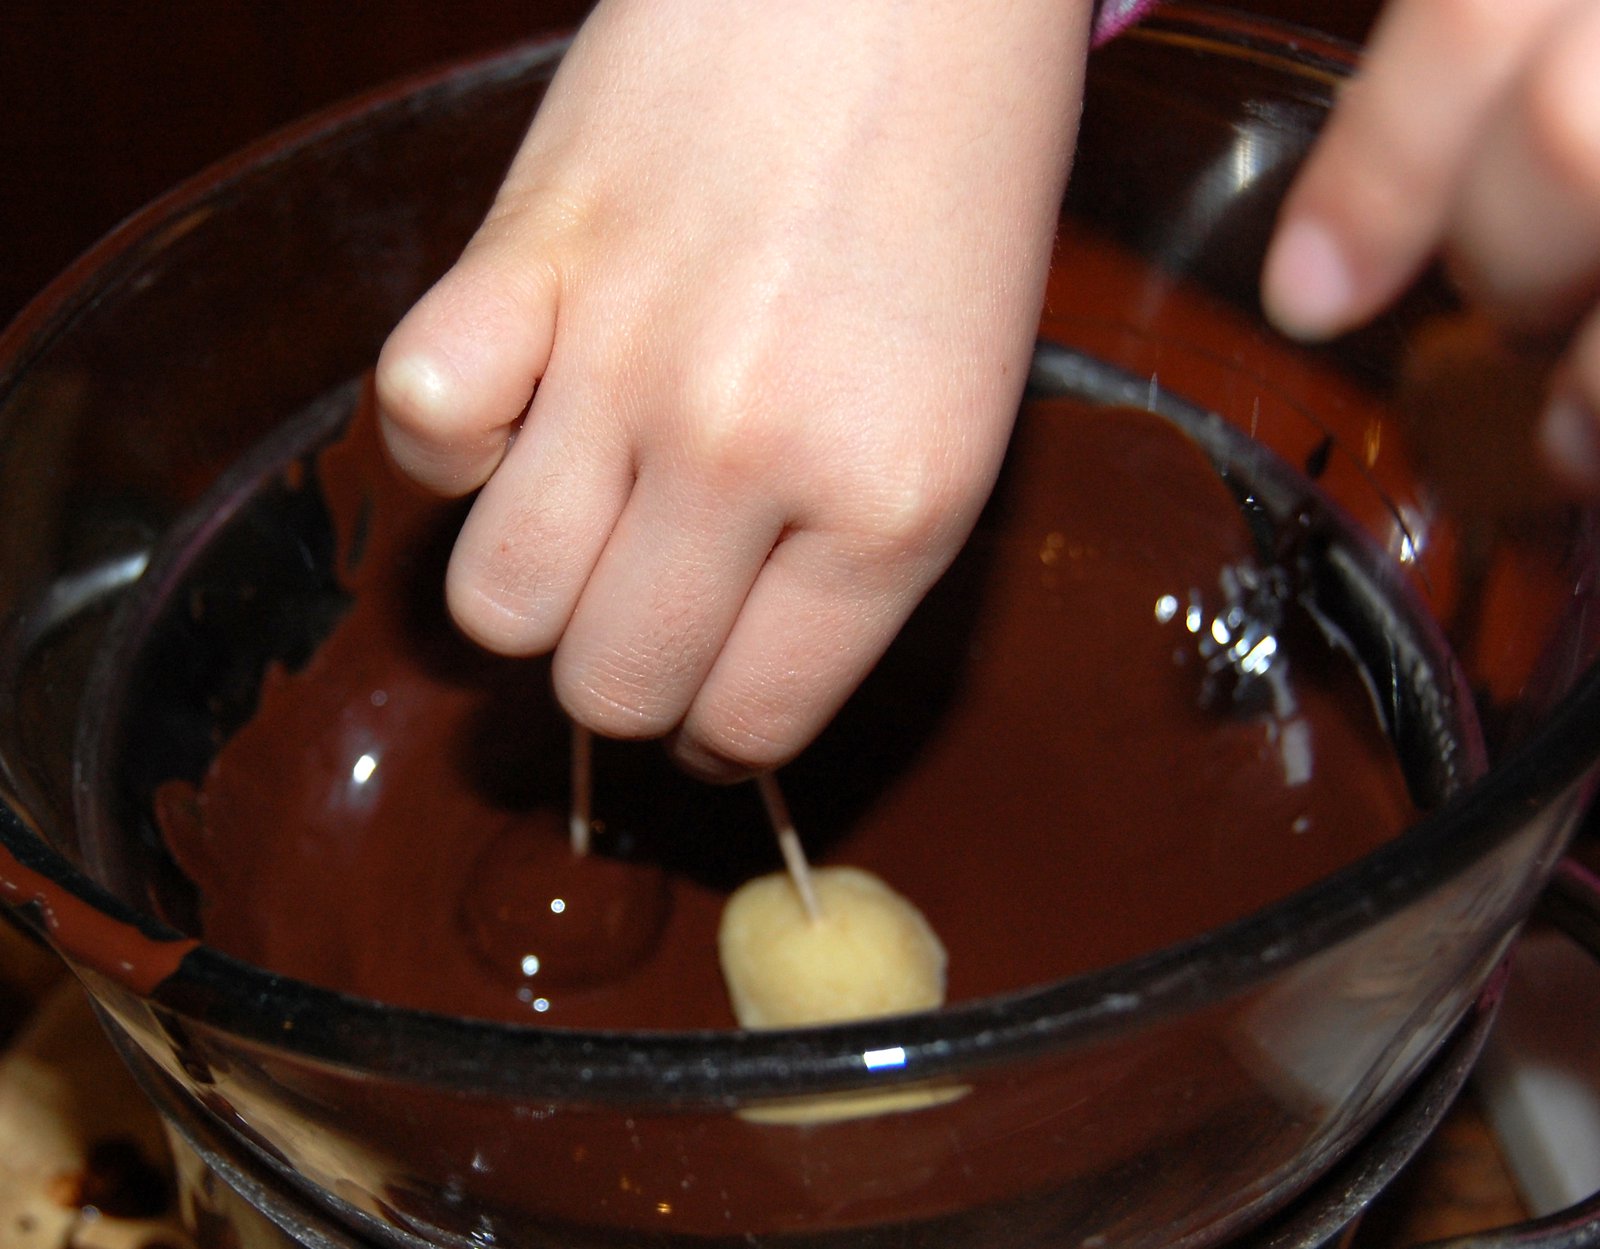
{"x":1307,"y":287}
{"x":418,"y":405}
{"x":411,"y":384}
{"x":460,"y":369}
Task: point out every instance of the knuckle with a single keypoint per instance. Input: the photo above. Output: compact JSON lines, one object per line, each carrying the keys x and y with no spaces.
{"x":634,"y":682}
{"x":610,"y":697}
{"x":555,"y":215}
{"x":737,"y":421}
{"x":737,"y":739}
{"x":916,"y":505}
{"x":724,"y":410}
{"x":518,"y":565}
{"x":500,"y":609}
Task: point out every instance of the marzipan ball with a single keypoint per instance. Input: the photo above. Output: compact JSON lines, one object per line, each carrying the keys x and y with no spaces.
{"x":869,"y":952}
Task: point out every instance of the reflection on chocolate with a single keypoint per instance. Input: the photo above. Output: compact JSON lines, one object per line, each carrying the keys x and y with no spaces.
{"x":542,"y":916}
{"x":1041,"y":764}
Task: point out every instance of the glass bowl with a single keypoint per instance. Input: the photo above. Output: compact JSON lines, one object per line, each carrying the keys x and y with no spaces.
{"x":1176,"y":1098}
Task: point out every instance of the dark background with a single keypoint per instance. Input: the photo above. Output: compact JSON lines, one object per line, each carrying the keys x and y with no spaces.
{"x":105,"y":105}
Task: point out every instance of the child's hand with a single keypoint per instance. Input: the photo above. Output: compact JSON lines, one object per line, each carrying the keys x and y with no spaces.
{"x":1474,"y":126}
{"x":770,"y":277}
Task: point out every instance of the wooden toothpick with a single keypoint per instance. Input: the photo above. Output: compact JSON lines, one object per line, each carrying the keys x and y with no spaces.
{"x":581,"y":822}
{"x":794,"y":857}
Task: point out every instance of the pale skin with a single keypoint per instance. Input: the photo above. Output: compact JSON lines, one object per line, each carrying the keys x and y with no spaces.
{"x":1474,"y":129}
{"x":736,"y":353}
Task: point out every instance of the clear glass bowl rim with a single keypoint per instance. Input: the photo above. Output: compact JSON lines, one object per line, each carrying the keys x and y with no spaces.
{"x":643,"y":1068}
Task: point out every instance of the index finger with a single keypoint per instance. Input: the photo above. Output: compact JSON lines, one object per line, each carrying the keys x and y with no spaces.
{"x":1376,"y":195}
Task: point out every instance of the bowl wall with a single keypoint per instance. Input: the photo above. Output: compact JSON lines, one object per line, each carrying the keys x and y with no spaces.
{"x":1171,"y":1101}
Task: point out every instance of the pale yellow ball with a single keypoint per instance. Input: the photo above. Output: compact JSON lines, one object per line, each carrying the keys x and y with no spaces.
{"x":868,"y":953}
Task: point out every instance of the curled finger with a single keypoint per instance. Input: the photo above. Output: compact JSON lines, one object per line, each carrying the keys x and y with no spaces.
{"x":818,"y":618}
{"x":655,"y":612}
{"x":459,"y":370}
{"x":537,"y":528}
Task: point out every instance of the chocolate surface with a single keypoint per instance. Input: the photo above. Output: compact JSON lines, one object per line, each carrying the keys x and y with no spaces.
{"x":1042,"y":764}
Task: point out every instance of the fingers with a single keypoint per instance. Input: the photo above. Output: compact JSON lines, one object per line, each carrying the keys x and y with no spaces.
{"x":458,"y":372}
{"x":1382,"y":187}
{"x":791,"y":334}
{"x":536,"y":530}
{"x":654,"y":613}
{"x":1526,"y":237}
{"x":739,"y":611}
{"x":1474,"y":130}
{"x":812,"y":626}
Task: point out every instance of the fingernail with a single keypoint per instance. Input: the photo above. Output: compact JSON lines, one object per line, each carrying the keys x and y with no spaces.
{"x":1307,"y":287}
{"x":1569,"y":435}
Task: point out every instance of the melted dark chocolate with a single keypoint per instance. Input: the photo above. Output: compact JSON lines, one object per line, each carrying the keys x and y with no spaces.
{"x":543,"y":917}
{"x":86,"y":935}
{"x":1036,"y":764}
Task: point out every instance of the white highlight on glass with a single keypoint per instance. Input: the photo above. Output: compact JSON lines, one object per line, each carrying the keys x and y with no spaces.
{"x":878,"y":1059}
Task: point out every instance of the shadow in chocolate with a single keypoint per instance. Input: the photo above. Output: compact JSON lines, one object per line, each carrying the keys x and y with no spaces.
{"x":257,"y":575}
